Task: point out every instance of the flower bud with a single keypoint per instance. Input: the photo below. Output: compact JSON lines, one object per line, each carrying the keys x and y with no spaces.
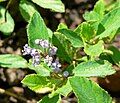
{"x":65,"y":74}
{"x":48,"y":60}
{"x":52,"y":51}
{"x":26,"y":50}
{"x":37,"y":41}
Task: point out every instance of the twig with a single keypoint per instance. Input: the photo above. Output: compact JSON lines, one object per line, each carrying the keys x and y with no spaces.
{"x":3,"y":91}
{"x":7,"y":9}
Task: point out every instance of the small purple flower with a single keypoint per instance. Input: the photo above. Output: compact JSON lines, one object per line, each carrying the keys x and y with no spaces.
{"x":33,"y":52}
{"x":52,"y":51}
{"x":35,"y":61}
{"x":42,"y":43}
{"x":36,"y":58}
{"x":48,"y":60}
{"x":65,"y":74}
{"x":56,"y":66}
{"x":57,"y":70}
{"x":26,"y":50}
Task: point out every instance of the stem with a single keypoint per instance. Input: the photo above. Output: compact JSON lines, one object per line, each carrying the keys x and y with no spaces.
{"x":10,"y":1}
{"x":3,"y":91}
{"x":55,"y":75}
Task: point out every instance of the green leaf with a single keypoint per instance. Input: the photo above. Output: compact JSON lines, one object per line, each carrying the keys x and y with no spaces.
{"x":50,"y":33}
{"x":27,"y":9}
{"x":116,"y":55}
{"x":111,"y":22}
{"x":112,"y":5}
{"x":62,"y":26}
{"x":100,"y":7}
{"x":12,"y":61}
{"x":64,"y":90}
{"x":36,"y":30}
{"x":64,"y":47}
{"x":94,"y":68}
{"x":94,"y":17}
{"x":78,"y":29}
{"x":69,"y":69}
{"x":2,"y":0}
{"x":94,"y":50}
{"x":6,"y":27}
{"x":91,"y":16}
{"x":97,"y":13}
{"x":55,"y":5}
{"x":37,"y":83}
{"x":55,"y":99}
{"x":99,"y":28}
{"x":75,"y":40}
{"x":88,"y":91}
{"x":87,"y":32}
{"x":41,"y":69}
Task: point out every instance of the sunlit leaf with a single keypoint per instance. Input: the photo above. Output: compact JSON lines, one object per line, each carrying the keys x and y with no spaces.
{"x":12,"y":61}
{"x":55,"y":5}
{"x":94,"y":68}
{"x":36,"y":30}
{"x":6,"y":25}
{"x":88,"y":91}
{"x":27,"y":9}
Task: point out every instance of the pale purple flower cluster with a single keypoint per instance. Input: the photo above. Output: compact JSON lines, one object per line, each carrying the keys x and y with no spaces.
{"x":27,"y":50}
{"x":42,"y":43}
{"x":45,"y":44}
{"x":36,"y":58}
{"x":49,"y":59}
{"x":54,"y":64}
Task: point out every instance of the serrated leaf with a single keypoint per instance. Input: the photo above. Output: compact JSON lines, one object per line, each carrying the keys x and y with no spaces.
{"x":6,"y":27}
{"x":12,"y":61}
{"x":94,"y":68}
{"x":116,"y":55}
{"x":112,"y":5}
{"x":27,"y":9}
{"x":36,"y":30}
{"x":64,"y":47}
{"x":62,"y":26}
{"x":88,"y":91}
{"x":55,"y":5}
{"x":40,"y":84}
{"x":64,"y":90}
{"x":50,"y":33}
{"x":97,"y":13}
{"x":87,"y":32}
{"x":78,"y":29}
{"x":94,"y":17}
{"x":41,"y":69}
{"x":111,"y":22}
{"x":100,"y":7}
{"x":94,"y":50}
{"x":75,"y":40}
{"x":55,"y":99}
{"x":37,"y":83}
